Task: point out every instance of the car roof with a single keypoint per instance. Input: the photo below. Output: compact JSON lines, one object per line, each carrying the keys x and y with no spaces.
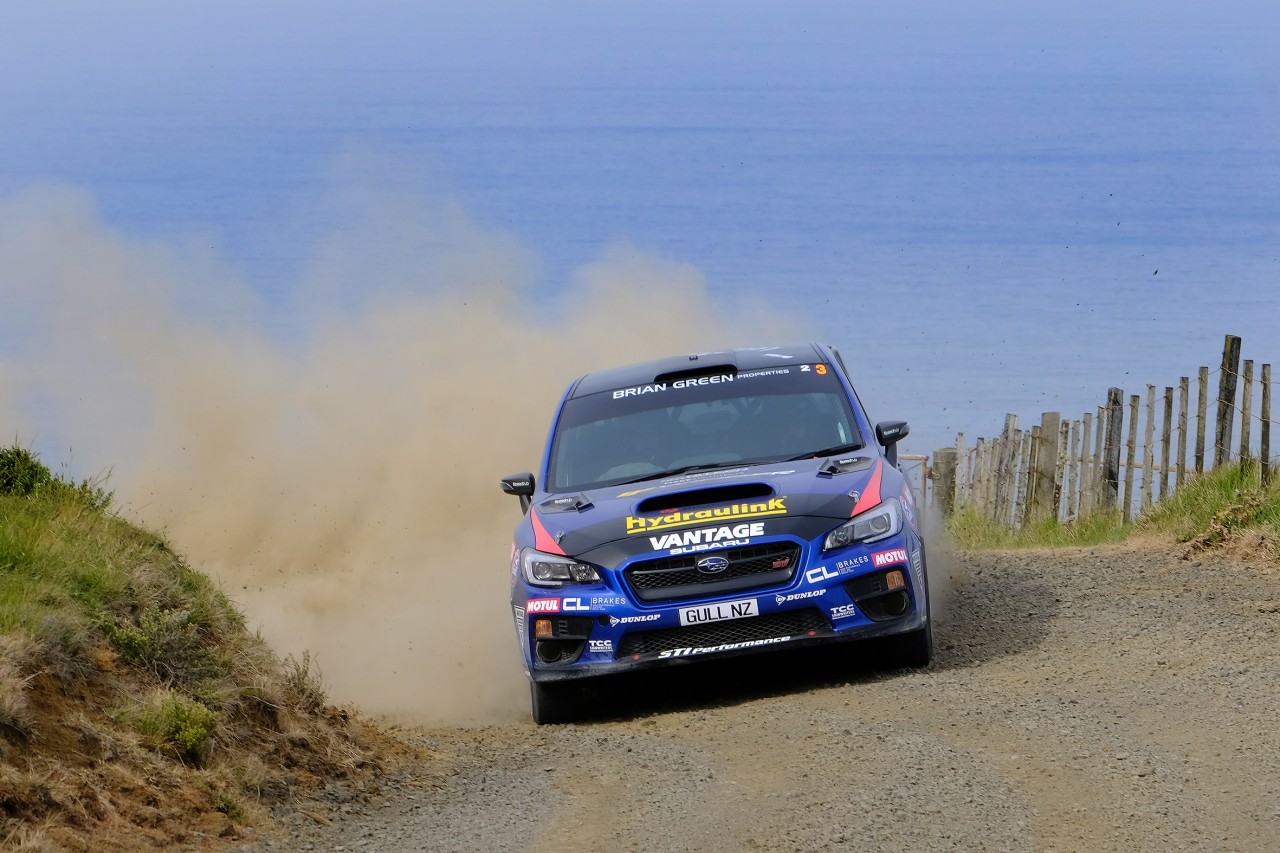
{"x":736,"y":360}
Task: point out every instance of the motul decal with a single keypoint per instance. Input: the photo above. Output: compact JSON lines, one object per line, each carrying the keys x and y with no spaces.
{"x":542,"y":605}
{"x":885,"y":558}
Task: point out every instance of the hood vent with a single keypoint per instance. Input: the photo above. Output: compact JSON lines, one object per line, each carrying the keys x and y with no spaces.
{"x":845,"y":464}
{"x":574,"y":503}
{"x":705,"y":497}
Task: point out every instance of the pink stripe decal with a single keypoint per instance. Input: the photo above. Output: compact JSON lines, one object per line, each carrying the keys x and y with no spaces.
{"x":541,"y":538}
{"x":871,"y":495}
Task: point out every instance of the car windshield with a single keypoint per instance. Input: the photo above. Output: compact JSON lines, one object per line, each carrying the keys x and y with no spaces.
{"x":643,"y":432}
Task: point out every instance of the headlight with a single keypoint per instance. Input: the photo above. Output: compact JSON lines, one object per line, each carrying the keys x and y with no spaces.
{"x":552,"y":570}
{"x":879,"y":522}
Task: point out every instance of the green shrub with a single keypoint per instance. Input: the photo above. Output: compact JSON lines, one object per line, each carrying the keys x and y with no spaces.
{"x":229,"y":806}
{"x":21,"y":472}
{"x":175,"y":723}
{"x":169,"y":643}
{"x":1210,"y":508}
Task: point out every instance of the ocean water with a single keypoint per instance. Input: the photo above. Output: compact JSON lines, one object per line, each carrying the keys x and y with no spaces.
{"x":989,"y":207}
{"x":989,"y":210}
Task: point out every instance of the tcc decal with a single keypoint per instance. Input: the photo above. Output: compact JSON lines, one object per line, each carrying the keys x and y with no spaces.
{"x":844,"y":611}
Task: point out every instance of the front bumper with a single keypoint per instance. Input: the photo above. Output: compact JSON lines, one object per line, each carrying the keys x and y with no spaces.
{"x":599,"y":631}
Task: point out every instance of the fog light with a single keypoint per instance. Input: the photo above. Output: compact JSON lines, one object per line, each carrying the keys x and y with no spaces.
{"x":894,"y":579}
{"x":550,"y":651}
{"x":542,"y":628}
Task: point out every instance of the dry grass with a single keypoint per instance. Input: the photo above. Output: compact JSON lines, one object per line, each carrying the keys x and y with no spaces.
{"x":136,"y":709}
{"x":1227,"y":511}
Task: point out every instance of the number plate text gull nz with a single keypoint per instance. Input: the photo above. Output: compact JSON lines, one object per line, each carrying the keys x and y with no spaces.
{"x":719,"y":612}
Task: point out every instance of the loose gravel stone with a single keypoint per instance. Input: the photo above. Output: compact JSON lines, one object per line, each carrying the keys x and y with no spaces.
{"x":1118,"y":698}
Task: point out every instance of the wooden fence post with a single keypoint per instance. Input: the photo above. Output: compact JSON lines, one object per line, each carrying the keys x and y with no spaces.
{"x":1148,"y":450}
{"x":1024,"y":476}
{"x":926,"y":475}
{"x":1071,"y":479}
{"x":1131,"y":452}
{"x":1183,"y":391}
{"x":1064,"y":432}
{"x":980,"y":476}
{"x":944,"y":480}
{"x":1111,"y":455}
{"x":1246,"y":410}
{"x":1046,"y":453}
{"x":1086,"y":466}
{"x":1099,"y":455}
{"x":988,"y":481}
{"x":1015,"y":476}
{"x":1201,"y":413}
{"x":1226,"y":401}
{"x":1166,"y":442}
{"x":1264,"y":434}
{"x":1005,"y":473}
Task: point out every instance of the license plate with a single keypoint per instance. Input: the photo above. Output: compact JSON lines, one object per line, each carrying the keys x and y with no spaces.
{"x":721,"y":612}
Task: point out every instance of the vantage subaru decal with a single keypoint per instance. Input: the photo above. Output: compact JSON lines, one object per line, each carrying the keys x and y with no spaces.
{"x":709,"y":537}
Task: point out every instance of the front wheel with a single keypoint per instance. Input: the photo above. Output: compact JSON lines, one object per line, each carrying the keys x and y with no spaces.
{"x":555,"y":702}
{"x":911,"y":650}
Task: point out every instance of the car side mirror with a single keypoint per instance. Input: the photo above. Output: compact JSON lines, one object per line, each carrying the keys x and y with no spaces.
{"x":889,"y":433}
{"x":520,"y":485}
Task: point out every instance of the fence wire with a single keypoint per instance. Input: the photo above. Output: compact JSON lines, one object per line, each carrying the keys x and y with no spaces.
{"x":997,"y":473}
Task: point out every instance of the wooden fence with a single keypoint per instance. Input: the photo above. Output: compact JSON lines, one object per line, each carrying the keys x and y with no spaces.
{"x":1068,"y":469}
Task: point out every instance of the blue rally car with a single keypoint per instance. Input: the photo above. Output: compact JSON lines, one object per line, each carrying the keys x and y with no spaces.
{"x":713,"y":504}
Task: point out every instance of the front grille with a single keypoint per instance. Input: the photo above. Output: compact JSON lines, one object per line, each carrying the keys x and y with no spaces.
{"x":668,"y":578}
{"x":792,"y":623}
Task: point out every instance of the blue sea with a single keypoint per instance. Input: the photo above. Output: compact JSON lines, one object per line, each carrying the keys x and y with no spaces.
{"x":989,"y":207}
{"x":306,"y":278}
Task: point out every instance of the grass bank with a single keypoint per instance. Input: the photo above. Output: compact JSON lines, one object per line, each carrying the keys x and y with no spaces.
{"x":136,"y":708}
{"x":1224,"y":508}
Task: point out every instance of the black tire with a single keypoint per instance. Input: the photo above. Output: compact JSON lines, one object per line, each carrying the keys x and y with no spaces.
{"x":911,"y":650}
{"x":914,"y":649}
{"x":555,"y":702}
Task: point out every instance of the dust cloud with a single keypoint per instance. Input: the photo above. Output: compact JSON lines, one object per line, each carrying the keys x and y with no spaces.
{"x":945,"y":570}
{"x":331,"y":453}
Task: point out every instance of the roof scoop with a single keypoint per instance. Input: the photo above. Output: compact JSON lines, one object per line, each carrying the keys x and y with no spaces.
{"x":697,"y":372}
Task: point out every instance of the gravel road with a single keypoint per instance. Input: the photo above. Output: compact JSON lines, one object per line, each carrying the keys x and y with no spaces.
{"x":1117,"y":698}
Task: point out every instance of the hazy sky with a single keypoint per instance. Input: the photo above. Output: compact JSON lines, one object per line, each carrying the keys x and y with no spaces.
{"x":52,"y":41}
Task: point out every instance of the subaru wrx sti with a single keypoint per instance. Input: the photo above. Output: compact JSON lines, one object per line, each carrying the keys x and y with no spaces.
{"x":710,"y":505}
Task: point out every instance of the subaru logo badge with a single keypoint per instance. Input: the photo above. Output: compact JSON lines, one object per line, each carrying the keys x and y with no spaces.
{"x":712,"y":565}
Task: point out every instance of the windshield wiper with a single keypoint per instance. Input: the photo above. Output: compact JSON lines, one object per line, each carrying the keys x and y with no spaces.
{"x":830,"y":451}
{"x":706,"y":466}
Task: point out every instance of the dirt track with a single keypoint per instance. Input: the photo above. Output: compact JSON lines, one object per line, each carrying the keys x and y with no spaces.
{"x":1122,"y":699}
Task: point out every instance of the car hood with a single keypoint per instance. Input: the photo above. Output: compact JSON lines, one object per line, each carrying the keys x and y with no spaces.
{"x":696,"y":511}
